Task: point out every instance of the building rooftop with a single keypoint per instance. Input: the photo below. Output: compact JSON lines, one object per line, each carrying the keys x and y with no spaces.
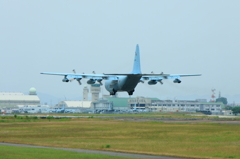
{"x":122,"y":101}
{"x":83,"y":104}
{"x":18,"y":97}
{"x":11,"y":93}
{"x":118,"y":102}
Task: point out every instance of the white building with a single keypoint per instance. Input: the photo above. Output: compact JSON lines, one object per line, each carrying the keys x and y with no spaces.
{"x":95,"y":90}
{"x":186,"y":106}
{"x":75,"y":104}
{"x":34,"y":109}
{"x":14,"y":99}
{"x":85,"y":93}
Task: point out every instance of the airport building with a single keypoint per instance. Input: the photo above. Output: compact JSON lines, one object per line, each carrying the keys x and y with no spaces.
{"x":102,"y":104}
{"x":18,"y":102}
{"x":154,"y":104}
{"x":95,"y":90}
{"x":95,"y":103}
{"x":85,"y":93}
{"x":19,"y":99}
{"x":186,"y":106}
{"x":141,"y":102}
{"x":74,"y":104}
{"x":32,"y":109}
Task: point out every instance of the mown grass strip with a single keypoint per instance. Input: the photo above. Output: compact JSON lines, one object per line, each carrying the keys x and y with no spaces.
{"x":12,"y":152}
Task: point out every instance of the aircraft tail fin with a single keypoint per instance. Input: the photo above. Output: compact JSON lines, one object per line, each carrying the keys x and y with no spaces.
{"x":136,"y":64}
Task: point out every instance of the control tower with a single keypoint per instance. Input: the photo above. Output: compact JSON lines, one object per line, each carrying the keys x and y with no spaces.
{"x":85,"y":93}
{"x":95,"y":90}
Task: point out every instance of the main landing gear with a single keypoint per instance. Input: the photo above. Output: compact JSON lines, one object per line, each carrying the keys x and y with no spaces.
{"x":130,"y":92}
{"x":113,"y":92}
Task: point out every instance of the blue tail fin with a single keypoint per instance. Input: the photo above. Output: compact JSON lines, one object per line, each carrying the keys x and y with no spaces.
{"x":136,"y":65}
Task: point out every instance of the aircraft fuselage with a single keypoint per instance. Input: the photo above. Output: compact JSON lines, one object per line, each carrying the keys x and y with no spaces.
{"x":124,"y":83}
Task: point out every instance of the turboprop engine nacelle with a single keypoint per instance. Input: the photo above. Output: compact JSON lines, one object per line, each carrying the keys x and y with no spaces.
{"x":152,"y":82}
{"x":65,"y":80}
{"x":91,"y":81}
{"x":177,"y":81}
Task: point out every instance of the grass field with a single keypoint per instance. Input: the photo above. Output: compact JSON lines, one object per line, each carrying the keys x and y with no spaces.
{"x":171,"y":139}
{"x":12,"y":152}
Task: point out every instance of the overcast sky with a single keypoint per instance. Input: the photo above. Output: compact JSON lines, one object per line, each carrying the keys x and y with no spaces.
{"x":176,"y":37}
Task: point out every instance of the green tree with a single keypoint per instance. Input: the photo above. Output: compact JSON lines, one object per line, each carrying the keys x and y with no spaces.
{"x":236,"y":110}
{"x":228,"y":107}
{"x":222,"y":99}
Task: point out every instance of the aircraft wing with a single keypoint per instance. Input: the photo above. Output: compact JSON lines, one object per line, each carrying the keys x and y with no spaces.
{"x":154,"y":78}
{"x":77,"y":76}
{"x":165,"y":76}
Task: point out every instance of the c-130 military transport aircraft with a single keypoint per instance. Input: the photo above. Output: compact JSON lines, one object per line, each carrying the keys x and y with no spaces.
{"x":122,"y":82}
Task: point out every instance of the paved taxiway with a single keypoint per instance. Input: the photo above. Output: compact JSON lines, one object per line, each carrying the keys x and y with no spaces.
{"x":110,"y":153}
{"x":232,"y":120}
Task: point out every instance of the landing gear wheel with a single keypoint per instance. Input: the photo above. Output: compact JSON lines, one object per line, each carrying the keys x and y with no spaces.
{"x":113,"y":92}
{"x":130,"y":92}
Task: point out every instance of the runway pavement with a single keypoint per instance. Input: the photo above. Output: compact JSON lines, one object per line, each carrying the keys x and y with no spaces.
{"x":110,"y":153}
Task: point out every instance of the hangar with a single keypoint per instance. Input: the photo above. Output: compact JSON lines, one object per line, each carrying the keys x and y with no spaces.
{"x":75,"y":104}
{"x":19,"y":99}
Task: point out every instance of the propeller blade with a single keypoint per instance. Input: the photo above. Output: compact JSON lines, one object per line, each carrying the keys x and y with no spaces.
{"x":160,"y":81}
{"x":100,"y":81}
{"x":72,"y":79}
{"x":74,"y":71}
{"x":79,"y":81}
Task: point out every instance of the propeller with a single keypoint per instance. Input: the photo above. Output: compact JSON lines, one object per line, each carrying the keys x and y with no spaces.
{"x":78,"y":79}
{"x":160,"y":81}
{"x":72,"y":79}
{"x":100,"y":81}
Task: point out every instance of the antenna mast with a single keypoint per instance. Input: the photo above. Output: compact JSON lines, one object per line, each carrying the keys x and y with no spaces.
{"x":213,"y":95}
